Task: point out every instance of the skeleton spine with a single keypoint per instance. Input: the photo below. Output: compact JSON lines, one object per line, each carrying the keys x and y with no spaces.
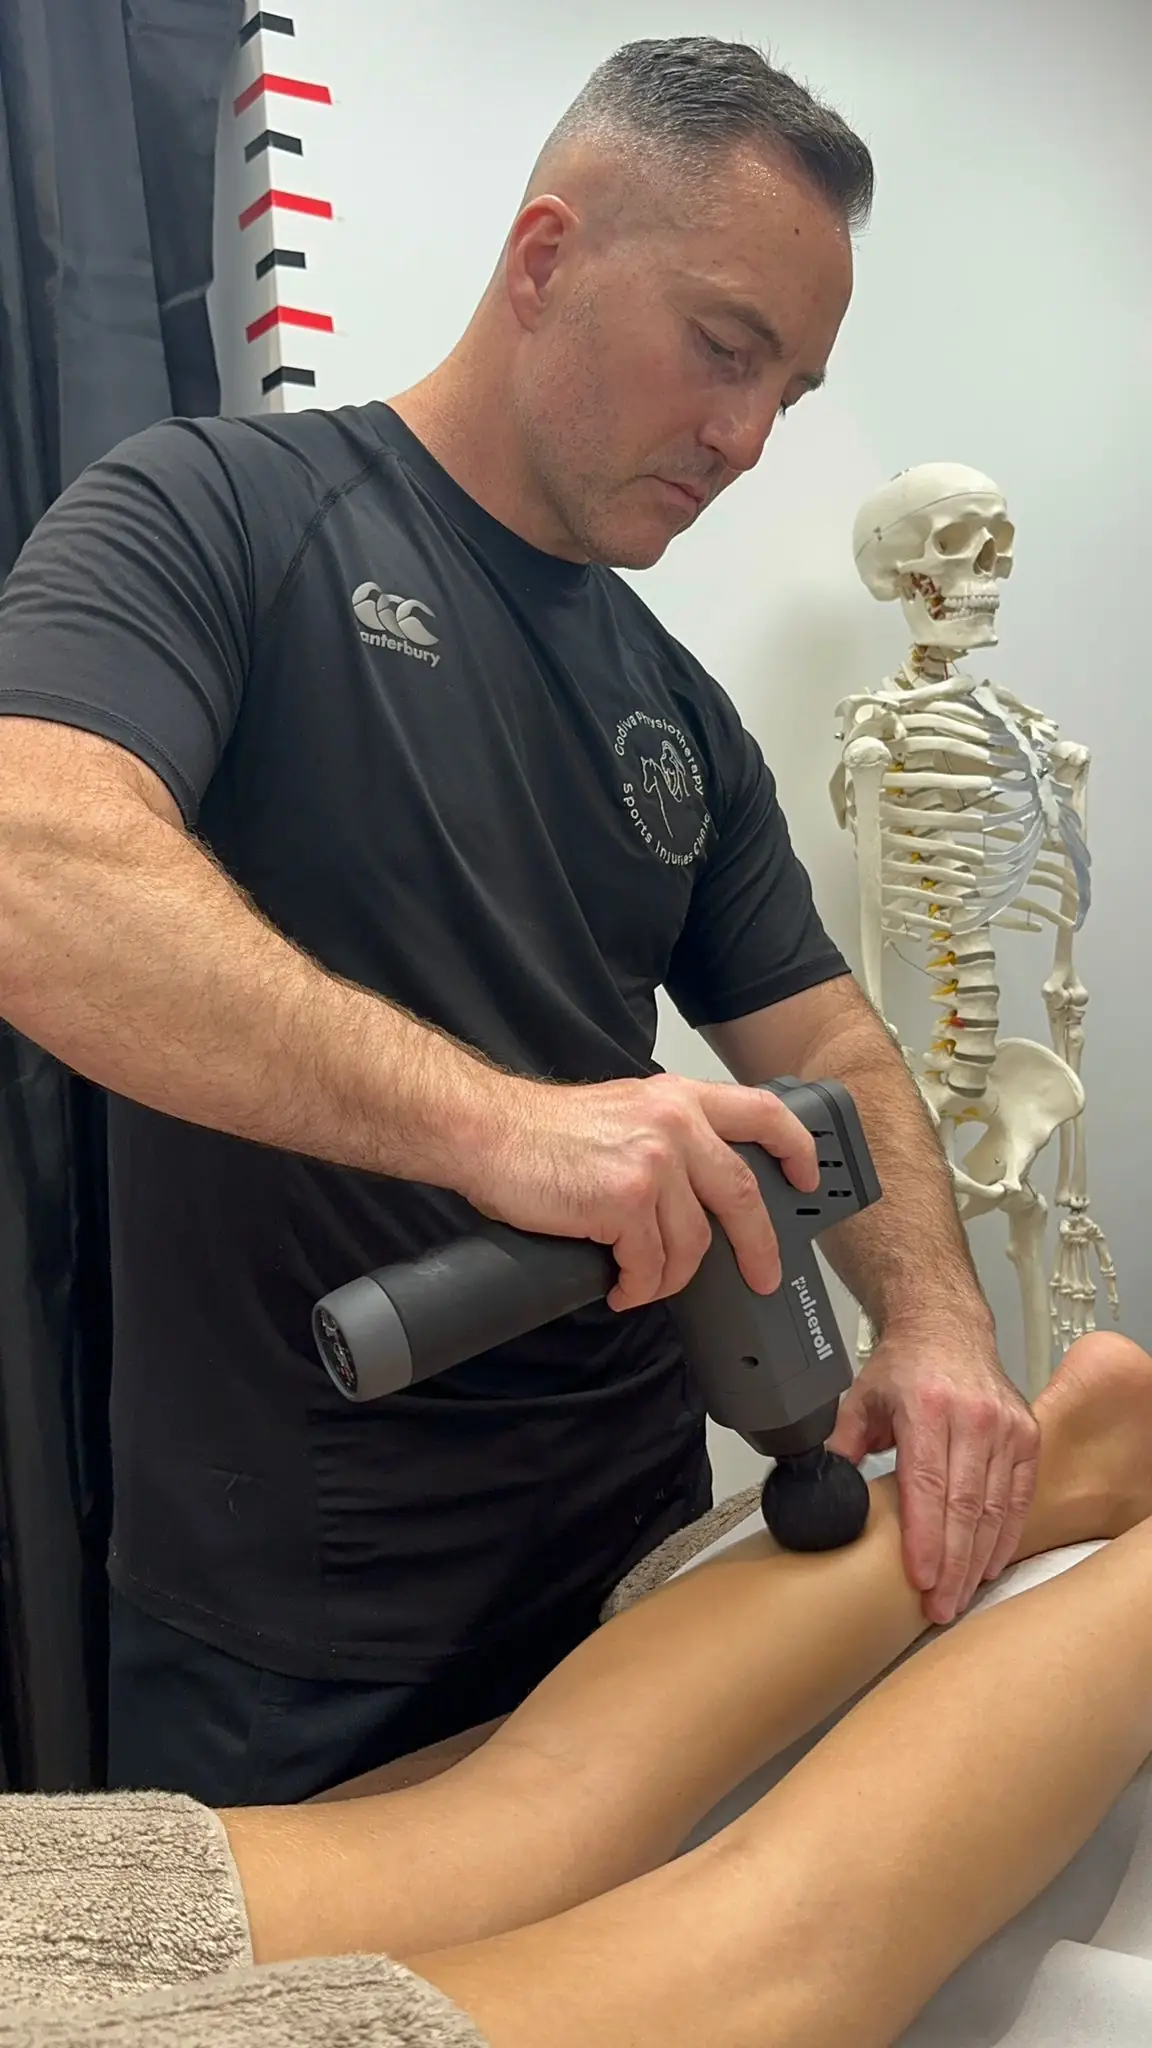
{"x":965,"y":1043}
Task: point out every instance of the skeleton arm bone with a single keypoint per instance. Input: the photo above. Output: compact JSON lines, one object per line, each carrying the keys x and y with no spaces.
{"x":865,"y":761}
{"x":1073,"y":1287}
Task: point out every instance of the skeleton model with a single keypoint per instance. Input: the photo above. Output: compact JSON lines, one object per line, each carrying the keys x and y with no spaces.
{"x":968,"y":813}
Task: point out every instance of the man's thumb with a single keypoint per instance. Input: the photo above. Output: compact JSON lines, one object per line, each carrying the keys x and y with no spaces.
{"x":853,"y":1432}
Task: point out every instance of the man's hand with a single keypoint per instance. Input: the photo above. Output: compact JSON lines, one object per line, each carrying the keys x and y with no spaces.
{"x":967,"y":1448}
{"x":641,"y":1166}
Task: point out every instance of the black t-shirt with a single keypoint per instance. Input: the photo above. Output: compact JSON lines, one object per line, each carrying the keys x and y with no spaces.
{"x":488,"y":784}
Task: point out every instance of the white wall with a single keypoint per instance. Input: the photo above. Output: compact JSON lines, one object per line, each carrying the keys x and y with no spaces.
{"x":1001,"y":319}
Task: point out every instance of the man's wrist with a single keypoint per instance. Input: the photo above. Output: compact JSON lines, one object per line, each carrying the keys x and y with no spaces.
{"x":961,"y":1313}
{"x":475,"y":1111}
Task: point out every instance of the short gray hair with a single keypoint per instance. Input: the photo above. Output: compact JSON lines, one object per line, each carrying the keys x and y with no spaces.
{"x":697,"y":97}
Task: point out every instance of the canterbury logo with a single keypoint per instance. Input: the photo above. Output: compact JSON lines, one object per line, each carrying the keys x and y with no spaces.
{"x":387,"y":620}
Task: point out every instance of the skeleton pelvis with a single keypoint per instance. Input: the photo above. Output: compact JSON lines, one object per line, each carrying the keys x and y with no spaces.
{"x":1031,"y":1091}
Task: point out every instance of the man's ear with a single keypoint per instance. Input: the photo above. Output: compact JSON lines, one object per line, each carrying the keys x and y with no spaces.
{"x":532,"y":254}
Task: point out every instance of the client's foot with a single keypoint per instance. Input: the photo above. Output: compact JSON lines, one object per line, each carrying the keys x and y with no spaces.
{"x":1096,"y":1455}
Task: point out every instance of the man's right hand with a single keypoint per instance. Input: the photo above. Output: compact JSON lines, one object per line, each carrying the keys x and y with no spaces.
{"x":642,"y":1166}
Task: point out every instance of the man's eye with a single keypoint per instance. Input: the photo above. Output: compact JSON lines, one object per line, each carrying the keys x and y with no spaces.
{"x":717,"y":349}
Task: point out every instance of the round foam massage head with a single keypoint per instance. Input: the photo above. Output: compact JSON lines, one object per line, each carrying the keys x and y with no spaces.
{"x":815,"y":1502}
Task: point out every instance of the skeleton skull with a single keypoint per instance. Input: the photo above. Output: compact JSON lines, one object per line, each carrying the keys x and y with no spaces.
{"x":939,"y":538}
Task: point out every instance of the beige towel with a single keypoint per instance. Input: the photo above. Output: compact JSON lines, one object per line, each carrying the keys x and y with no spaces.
{"x":680,"y":1549}
{"x":348,"y":2002}
{"x":108,"y":1895}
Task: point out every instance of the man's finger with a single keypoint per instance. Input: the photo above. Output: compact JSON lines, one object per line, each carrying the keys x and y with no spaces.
{"x":639,"y":1254}
{"x":685,"y":1233}
{"x":754,"y":1116}
{"x":969,"y":1451}
{"x":1021,"y":1491}
{"x":729,"y":1191}
{"x":997,"y":1494}
{"x":922,"y":1478}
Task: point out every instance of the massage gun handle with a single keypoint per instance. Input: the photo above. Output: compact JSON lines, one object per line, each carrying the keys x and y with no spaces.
{"x":407,"y":1322}
{"x":772,"y":1367}
{"x":767,"y":1365}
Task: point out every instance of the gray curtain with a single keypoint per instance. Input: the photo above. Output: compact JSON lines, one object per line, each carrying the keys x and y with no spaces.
{"x":108,"y":117}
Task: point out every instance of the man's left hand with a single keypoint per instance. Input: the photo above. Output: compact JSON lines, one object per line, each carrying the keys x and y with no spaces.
{"x":967,"y":1449}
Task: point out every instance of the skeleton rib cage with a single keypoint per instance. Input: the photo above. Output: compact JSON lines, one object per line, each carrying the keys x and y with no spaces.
{"x":974,"y":831}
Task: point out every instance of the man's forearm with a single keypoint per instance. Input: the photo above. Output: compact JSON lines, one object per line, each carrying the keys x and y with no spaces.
{"x":908,"y":1255}
{"x":126,"y":952}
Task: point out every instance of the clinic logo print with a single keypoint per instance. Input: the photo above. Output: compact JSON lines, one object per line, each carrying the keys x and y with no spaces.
{"x":663,"y":789}
{"x":388,"y":620}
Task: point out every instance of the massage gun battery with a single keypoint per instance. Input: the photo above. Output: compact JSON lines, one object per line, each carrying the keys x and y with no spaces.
{"x":772,"y":1367}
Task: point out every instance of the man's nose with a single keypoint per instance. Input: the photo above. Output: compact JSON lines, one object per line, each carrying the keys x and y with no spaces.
{"x":738,"y":436}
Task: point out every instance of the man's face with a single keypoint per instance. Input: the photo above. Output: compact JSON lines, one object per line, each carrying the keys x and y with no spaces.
{"x":661,"y":355}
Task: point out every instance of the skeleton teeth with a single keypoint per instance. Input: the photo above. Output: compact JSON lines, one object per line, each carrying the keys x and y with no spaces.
{"x":980,"y":601}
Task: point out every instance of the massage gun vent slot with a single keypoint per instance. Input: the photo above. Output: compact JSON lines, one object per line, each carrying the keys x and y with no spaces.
{"x":830,"y":1194}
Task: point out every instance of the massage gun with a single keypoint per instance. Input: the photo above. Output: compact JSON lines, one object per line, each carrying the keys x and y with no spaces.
{"x":770,"y":1366}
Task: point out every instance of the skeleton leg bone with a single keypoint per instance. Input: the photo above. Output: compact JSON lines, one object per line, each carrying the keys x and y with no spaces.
{"x":1027,"y":1223}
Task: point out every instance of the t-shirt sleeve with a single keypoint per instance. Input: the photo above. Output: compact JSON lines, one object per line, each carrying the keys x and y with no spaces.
{"x":129,"y":612}
{"x":752,"y":935}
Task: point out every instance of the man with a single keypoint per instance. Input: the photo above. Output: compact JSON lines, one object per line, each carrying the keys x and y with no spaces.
{"x":351,"y":813}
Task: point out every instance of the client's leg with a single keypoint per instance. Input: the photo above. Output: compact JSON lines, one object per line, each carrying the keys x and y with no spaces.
{"x":831,"y":1912}
{"x":605,"y":1769}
